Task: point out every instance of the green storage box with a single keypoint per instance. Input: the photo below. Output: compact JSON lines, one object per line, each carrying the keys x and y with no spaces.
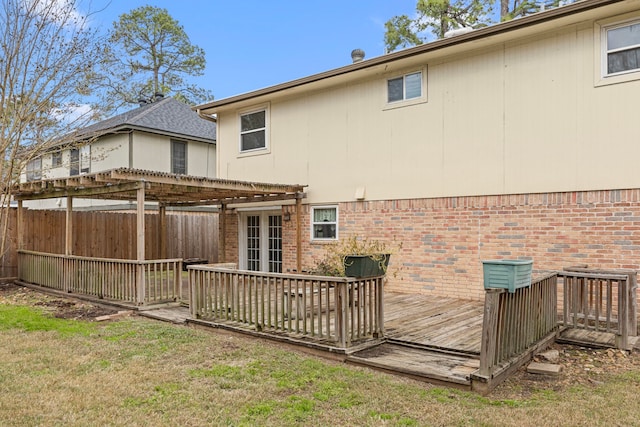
{"x":366,"y":265}
{"x":508,"y":274}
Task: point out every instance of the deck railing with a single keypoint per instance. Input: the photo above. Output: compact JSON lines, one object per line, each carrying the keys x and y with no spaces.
{"x":600,"y":302}
{"x":336,"y":310}
{"x":138,"y":282}
{"x":513,"y":322}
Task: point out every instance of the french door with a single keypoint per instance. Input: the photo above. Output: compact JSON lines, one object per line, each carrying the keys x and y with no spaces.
{"x":261,"y":241}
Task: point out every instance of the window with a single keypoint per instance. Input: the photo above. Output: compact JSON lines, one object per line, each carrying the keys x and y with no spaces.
{"x":324,"y":224}
{"x":85,"y":159}
{"x":179,"y":157}
{"x":405,"y":87}
{"x":56,"y":159}
{"x":34,"y":169}
{"x":74,"y":162}
{"x":622,"y":48}
{"x":253,"y":131}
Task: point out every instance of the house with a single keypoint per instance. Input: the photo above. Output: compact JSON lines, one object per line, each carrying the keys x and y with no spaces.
{"x":163,"y":136}
{"x":518,"y":140}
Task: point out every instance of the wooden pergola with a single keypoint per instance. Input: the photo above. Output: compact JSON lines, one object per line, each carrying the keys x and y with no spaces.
{"x":166,"y":189}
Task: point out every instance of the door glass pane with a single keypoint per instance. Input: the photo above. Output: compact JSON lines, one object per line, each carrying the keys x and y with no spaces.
{"x":275,"y":243}
{"x":253,"y":242}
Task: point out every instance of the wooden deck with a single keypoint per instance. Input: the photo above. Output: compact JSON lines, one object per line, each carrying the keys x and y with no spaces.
{"x":430,"y":338}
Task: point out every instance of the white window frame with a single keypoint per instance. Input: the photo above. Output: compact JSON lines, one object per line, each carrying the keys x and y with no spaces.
{"x":388,"y":105}
{"x":264,"y":235}
{"x":601,"y":75}
{"x":337,"y":223}
{"x":265,"y":129}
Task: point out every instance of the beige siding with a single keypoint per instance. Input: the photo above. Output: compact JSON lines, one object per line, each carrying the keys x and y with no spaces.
{"x":523,"y":116}
{"x":151,"y":152}
{"x":110,"y":152}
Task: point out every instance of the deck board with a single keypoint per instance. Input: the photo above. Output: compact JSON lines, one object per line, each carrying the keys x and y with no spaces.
{"x":431,"y":321}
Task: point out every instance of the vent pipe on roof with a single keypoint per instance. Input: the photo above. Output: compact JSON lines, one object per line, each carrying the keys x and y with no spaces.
{"x":357,"y":55}
{"x":158,"y":96}
{"x":142,"y":102}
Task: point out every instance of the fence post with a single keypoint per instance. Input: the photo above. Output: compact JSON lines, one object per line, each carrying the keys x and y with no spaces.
{"x":622,"y":337}
{"x":489,"y":331}
{"x":633,"y":304}
{"x":341,"y":314}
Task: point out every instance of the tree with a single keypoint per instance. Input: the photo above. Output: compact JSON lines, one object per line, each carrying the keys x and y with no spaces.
{"x":47,"y":52}
{"x":150,"y":53}
{"x":434,"y":18}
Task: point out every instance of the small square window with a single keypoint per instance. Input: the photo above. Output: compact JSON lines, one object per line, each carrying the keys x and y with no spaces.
{"x":253,"y":131}
{"x":622,"y":48}
{"x":408,"y":86}
{"x":324,"y":224}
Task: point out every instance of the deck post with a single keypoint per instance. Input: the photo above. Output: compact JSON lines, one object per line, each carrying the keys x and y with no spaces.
{"x":140,"y":294}
{"x":298,"y":232}
{"x":633,"y":303}
{"x":341,"y":314}
{"x":489,"y":335}
{"x":68,"y":238}
{"x":162,"y":231}
{"x":222,"y":233}
{"x":622,"y":338}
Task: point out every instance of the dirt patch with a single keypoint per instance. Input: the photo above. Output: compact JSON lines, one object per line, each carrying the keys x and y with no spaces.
{"x":63,"y":308}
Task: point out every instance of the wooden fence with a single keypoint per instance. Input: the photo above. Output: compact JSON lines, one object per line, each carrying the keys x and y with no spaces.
{"x":137,"y":282}
{"x":335,"y":310}
{"x":112,"y":235}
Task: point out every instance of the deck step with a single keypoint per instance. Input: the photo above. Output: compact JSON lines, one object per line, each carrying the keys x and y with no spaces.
{"x":419,"y":363}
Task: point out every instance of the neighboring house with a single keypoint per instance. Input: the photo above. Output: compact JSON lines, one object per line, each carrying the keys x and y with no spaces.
{"x":162,"y":136}
{"x":519,"y":140}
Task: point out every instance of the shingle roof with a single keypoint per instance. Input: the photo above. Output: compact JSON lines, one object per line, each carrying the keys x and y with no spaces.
{"x":167,"y":116}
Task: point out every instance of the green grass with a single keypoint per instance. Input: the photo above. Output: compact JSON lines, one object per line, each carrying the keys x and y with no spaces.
{"x":136,"y":371}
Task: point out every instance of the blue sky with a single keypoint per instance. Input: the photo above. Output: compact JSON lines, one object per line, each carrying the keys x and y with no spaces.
{"x":253,"y":44}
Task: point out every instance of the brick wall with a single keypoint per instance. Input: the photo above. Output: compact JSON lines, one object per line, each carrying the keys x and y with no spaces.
{"x":444,"y":240}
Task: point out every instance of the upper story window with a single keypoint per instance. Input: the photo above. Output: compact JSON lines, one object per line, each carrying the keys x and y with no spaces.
{"x":34,"y":169}
{"x":74,"y":162}
{"x":85,"y":159}
{"x":324,"y":223}
{"x":253,"y":131}
{"x":56,"y":159}
{"x":408,"y":86}
{"x":622,"y":48}
{"x":179,"y":157}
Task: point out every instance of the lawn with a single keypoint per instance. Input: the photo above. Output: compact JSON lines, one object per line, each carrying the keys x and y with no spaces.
{"x":135,"y":371}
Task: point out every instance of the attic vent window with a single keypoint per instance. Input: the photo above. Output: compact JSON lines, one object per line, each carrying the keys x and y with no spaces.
{"x":404,"y":87}
{"x":622,"y":48}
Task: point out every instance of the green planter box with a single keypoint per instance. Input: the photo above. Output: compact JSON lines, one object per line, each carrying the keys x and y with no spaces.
{"x":508,"y":274}
{"x":366,"y":265}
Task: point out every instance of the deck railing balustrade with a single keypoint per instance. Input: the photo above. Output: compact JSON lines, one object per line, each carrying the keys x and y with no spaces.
{"x":336,"y":310}
{"x":600,"y":302}
{"x":138,"y":282}
{"x":514,"y":322}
